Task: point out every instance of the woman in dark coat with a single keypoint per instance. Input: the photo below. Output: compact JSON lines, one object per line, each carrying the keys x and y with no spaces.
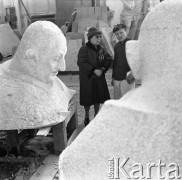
{"x":93,"y":63}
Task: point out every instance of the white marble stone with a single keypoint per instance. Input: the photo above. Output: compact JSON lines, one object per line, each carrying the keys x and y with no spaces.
{"x":145,"y":125}
{"x":31,"y":94}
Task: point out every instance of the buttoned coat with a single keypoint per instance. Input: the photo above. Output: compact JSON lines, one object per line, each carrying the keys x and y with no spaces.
{"x":93,"y":89}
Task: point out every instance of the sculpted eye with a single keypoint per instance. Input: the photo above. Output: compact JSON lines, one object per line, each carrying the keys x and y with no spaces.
{"x":56,"y":59}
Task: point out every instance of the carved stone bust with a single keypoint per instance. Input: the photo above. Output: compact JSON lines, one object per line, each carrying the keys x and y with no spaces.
{"x":31,"y":94}
{"x":138,"y":136}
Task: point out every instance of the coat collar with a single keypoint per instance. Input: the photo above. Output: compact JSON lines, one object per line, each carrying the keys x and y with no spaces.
{"x":90,"y":45}
{"x":124,"y":41}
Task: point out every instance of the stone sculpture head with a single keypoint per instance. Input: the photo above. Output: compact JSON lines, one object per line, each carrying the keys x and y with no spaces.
{"x":41,"y":52}
{"x":144,"y":125}
{"x":157,"y":53}
{"x":31,"y":94}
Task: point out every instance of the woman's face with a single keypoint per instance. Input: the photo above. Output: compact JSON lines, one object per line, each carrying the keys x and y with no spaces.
{"x":96,"y":39}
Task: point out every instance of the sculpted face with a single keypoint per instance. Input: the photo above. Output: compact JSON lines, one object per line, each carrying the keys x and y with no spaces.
{"x":41,"y":52}
{"x":52,"y":61}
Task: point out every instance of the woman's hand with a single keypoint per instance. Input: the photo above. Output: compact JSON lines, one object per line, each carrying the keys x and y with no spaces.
{"x":98,"y":72}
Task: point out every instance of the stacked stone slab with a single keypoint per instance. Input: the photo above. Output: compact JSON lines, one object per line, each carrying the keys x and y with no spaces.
{"x":87,"y":17}
{"x":138,"y":136}
{"x":73,"y":46}
{"x":8,"y":40}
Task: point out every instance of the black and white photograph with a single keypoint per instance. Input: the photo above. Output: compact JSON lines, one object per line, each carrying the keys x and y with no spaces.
{"x":90,"y":89}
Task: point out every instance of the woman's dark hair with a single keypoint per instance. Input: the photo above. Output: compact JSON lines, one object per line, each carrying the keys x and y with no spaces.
{"x":118,"y":27}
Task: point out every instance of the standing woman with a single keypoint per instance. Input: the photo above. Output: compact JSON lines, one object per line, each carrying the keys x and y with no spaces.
{"x":93,"y":63}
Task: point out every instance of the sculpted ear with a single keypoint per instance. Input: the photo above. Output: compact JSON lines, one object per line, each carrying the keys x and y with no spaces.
{"x":32,"y":56}
{"x":133,"y":57}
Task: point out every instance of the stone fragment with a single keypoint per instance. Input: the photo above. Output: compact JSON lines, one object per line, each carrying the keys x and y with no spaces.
{"x":71,"y":55}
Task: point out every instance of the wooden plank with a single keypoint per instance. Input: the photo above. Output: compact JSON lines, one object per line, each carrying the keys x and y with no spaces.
{"x":75,"y":134}
{"x":13,"y":140}
{"x":43,"y":131}
{"x":19,"y":160}
{"x":48,"y":169}
{"x":60,"y":137}
{"x":51,"y":159}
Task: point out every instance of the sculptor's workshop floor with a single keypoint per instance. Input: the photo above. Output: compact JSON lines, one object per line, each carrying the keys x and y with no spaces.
{"x":49,"y":168}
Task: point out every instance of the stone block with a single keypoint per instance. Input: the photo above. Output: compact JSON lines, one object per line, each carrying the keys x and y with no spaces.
{"x":86,"y":3}
{"x":71,"y":55}
{"x":83,"y":12}
{"x":101,"y":13}
{"x":100,"y":2}
{"x":73,"y":35}
{"x":75,"y":26}
{"x":8,"y":40}
{"x":106,"y":40}
{"x":85,"y":23}
{"x":83,"y":3}
{"x":98,"y":12}
{"x":102,"y":24}
{"x":104,"y":13}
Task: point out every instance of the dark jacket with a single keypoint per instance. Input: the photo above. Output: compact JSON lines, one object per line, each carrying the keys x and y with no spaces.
{"x":93,"y":89}
{"x":120,"y":64}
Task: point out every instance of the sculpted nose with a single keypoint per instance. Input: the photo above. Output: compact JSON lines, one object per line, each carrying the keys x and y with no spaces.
{"x":62,"y":64}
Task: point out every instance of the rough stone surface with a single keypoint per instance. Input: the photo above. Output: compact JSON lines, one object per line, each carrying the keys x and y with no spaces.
{"x":145,"y":125}
{"x":71,"y":56}
{"x":31,"y":95}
